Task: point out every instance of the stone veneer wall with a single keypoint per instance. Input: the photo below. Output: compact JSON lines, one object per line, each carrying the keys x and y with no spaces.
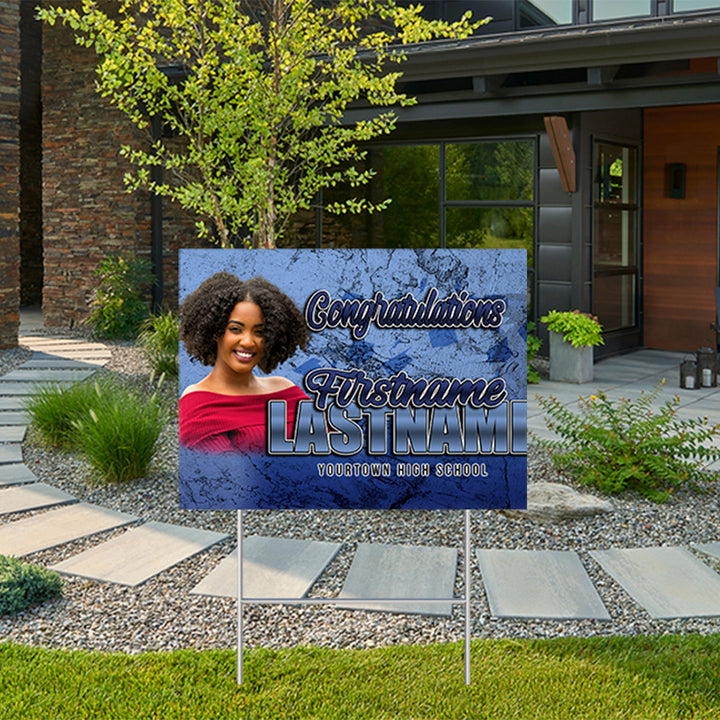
{"x":9,"y":175}
{"x":87,"y":214}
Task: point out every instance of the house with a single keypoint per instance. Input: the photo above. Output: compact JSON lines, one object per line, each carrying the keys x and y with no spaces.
{"x":586,"y":131}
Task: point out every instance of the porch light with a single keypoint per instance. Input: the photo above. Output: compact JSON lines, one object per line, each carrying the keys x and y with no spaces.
{"x":707,"y":364}
{"x":688,"y":374}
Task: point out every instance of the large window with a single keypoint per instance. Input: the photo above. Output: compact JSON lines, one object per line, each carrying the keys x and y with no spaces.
{"x":470,"y":194}
{"x":461,"y":194}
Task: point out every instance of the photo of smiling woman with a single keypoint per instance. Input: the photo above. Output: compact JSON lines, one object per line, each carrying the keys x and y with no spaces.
{"x":236,"y":326}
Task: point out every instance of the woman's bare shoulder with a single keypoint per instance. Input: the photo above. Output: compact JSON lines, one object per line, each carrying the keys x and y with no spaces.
{"x":193,"y":388}
{"x":274,"y":384}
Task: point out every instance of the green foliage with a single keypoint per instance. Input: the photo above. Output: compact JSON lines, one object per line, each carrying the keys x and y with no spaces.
{"x":625,"y":445}
{"x":260,"y":115}
{"x":119,"y":433}
{"x":118,"y":307}
{"x":54,"y":409}
{"x":159,"y":340}
{"x":23,"y":585}
{"x":533,"y":346}
{"x":580,"y":329}
{"x":114,"y":427}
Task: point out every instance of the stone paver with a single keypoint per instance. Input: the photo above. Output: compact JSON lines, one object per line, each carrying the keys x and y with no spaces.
{"x":52,"y":362}
{"x":10,"y":453}
{"x":401,"y":571}
{"x":11,"y":387}
{"x":16,"y":474}
{"x":140,"y":553}
{"x":542,"y":584}
{"x":13,"y":417}
{"x":668,"y":582}
{"x":712,"y":549}
{"x":272,"y":568}
{"x":45,"y":375}
{"x":58,"y":526}
{"x":96,"y":358}
{"x":31,"y":497}
{"x":12,"y":404}
{"x":12,"y":433}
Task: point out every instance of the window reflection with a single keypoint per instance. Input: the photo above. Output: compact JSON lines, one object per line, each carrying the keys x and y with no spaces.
{"x":611,"y":9}
{"x":690,"y":5}
{"x":544,"y":13}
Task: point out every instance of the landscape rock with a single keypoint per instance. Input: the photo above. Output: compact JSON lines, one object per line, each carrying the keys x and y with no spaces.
{"x":549,"y":502}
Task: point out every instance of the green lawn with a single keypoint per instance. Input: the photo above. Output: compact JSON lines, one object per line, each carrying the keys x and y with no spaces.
{"x":601,"y":678}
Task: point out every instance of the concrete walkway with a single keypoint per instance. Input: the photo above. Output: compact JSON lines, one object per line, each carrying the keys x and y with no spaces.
{"x":525,"y":584}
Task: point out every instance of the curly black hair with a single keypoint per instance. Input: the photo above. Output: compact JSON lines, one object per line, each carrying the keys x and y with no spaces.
{"x":205,"y":311}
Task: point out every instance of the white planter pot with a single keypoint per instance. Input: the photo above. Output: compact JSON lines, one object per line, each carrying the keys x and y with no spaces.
{"x":568,"y":363}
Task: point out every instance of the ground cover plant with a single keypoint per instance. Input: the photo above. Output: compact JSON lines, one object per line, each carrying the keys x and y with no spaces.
{"x":158,"y":338}
{"x":118,"y":308}
{"x":652,"y":678}
{"x":114,"y":426}
{"x":626,"y":445}
{"x":119,"y":433}
{"x":23,"y":585}
{"x":55,"y":409}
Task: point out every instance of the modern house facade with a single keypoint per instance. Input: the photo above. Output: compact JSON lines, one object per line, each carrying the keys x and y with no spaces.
{"x":586,"y":131}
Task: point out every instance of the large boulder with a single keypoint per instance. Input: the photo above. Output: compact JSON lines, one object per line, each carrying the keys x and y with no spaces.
{"x":551,"y":502}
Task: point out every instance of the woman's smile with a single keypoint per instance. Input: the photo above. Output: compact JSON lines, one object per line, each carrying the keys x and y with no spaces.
{"x":240,"y":347}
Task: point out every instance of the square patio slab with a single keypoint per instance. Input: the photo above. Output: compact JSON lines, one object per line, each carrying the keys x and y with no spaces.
{"x":272,"y":568}
{"x":32,"y":497}
{"x":541,"y":584}
{"x":668,"y":582}
{"x":16,"y":474}
{"x":139,"y":554}
{"x":400,"y":571}
{"x":10,"y":453}
{"x":58,"y":526}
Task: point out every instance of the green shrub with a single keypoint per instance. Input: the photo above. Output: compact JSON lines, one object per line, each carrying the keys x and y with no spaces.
{"x":23,"y":585}
{"x":580,"y":329}
{"x":624,"y":445}
{"x":54,"y":410}
{"x":119,"y":435}
{"x":118,"y":307}
{"x":159,"y":340}
{"x":533,"y":346}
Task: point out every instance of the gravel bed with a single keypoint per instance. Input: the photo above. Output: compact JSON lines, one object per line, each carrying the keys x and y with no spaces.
{"x":11,"y":359}
{"x":162,"y":614}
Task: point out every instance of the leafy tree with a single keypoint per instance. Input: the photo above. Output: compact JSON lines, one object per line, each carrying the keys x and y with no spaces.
{"x":260,"y":99}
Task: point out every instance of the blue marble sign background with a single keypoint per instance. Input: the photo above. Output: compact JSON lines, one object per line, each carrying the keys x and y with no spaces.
{"x":361,"y":480}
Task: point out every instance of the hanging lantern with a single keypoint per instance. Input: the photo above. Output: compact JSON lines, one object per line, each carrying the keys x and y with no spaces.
{"x":688,"y":374}
{"x":707,"y":367}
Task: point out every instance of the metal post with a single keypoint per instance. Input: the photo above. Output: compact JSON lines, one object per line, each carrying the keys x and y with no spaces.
{"x":468,"y":597}
{"x":239,"y":599}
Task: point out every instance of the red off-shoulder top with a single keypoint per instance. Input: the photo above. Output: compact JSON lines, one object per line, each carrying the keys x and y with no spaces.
{"x":216,"y":423}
